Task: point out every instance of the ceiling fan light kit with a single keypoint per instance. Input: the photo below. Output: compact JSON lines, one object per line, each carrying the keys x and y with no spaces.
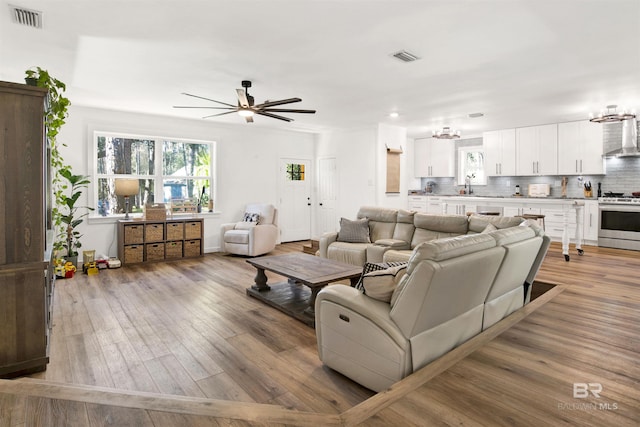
{"x":611,"y":115}
{"x":246,"y":106}
{"x":446,"y":133}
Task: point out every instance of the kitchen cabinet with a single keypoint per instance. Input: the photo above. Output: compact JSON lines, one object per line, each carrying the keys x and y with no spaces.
{"x":537,"y":150}
{"x":500,"y":152}
{"x":591,"y":221}
{"x":458,"y":208}
{"x":580,"y":148}
{"x":434,"y":158}
{"x":417,"y":203}
{"x":434,"y":205}
{"x":519,"y":211}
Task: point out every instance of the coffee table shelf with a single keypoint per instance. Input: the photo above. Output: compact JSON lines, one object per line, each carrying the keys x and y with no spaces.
{"x":306,"y":275}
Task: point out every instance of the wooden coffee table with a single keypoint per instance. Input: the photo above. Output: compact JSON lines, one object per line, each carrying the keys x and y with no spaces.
{"x":303,"y":271}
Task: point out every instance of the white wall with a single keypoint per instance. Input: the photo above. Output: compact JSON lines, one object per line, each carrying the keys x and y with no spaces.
{"x":355,"y":153}
{"x":247,"y":163}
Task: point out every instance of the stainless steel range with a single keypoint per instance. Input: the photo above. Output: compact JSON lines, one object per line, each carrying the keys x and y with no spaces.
{"x":619,"y":222}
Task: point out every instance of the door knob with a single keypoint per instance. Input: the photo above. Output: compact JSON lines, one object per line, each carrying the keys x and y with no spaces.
{"x":320,"y":203}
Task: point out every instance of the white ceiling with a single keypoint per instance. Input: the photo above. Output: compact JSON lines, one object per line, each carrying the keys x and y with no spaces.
{"x":518,"y":62}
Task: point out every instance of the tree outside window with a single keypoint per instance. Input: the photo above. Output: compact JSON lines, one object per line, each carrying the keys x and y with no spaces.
{"x":166,"y":168}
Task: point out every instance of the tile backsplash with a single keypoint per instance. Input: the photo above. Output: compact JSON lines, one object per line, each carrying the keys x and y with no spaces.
{"x":622,"y":175}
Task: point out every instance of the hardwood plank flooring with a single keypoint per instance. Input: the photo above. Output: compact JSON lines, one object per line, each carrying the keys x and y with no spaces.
{"x":134,"y":340}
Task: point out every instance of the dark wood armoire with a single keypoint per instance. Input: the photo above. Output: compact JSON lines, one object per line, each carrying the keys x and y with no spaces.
{"x":26,"y":279}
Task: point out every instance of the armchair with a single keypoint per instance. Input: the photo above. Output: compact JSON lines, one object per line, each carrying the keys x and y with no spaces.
{"x":249,"y":237}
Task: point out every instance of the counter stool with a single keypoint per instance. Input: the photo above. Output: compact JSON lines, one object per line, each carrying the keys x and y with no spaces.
{"x":536,"y":217}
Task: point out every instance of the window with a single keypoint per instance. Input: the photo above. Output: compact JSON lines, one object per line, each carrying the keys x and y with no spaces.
{"x":471,"y":165}
{"x":166,"y":168}
{"x":295,"y":172}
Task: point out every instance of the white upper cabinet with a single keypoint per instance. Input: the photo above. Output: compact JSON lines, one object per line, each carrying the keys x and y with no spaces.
{"x":580,"y":148}
{"x":499,"y":152}
{"x":434,"y":157}
{"x":537,"y":150}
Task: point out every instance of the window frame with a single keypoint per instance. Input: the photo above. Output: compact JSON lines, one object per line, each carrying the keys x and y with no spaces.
{"x":461,"y":172}
{"x":158,"y":177}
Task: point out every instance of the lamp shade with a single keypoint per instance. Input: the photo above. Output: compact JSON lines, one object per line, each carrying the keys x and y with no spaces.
{"x":127,"y":186}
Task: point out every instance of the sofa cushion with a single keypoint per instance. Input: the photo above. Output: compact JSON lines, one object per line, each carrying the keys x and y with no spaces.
{"x":237,"y":236}
{"x":380,"y":284}
{"x":356,"y":231}
{"x":266,"y":212}
{"x":382,"y":221}
{"x":245,"y":225}
{"x":439,"y":250}
{"x":506,"y":236}
{"x":456,"y":224}
{"x":477,"y":223}
{"x":349,"y":253}
{"x":490,"y":227}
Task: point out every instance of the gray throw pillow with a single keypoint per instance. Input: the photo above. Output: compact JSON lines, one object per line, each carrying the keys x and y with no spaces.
{"x":356,"y":231}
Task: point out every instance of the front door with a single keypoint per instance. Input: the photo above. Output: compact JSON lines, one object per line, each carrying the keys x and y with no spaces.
{"x":294,"y":213}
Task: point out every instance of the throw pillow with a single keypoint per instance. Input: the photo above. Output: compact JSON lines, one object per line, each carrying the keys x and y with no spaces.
{"x":251,"y":217}
{"x":356,"y":231}
{"x":376,"y":266}
{"x":380,"y":284}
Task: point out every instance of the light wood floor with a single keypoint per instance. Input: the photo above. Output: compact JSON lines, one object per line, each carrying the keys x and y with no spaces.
{"x":127,"y":344}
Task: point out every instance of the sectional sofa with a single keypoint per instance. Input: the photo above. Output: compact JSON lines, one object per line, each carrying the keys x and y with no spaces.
{"x":454,"y":286}
{"x":394,"y":233}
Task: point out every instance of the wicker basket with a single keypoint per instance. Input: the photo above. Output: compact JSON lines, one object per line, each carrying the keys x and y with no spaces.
{"x":155,"y":212}
{"x":191,"y":248}
{"x":133,"y":234}
{"x":154,"y":251}
{"x":192,"y":229}
{"x":175,"y":230}
{"x":154,"y":232}
{"x":173,"y":250}
{"x":133,"y":254}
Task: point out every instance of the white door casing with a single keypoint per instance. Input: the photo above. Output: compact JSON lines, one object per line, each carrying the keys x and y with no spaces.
{"x":327,"y":195}
{"x":294,"y":209}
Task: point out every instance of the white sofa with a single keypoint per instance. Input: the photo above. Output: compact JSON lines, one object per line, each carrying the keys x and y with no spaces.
{"x":394,"y":233}
{"x":452,"y":290}
{"x":251,"y":238}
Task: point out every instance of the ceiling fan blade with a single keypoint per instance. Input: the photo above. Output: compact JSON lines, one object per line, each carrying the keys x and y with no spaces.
{"x":220,"y":114}
{"x":249,"y":119}
{"x":209,"y":108}
{"x":274,"y":103}
{"x":273,"y":116}
{"x":289,"y":110}
{"x":242,"y":98}
{"x":208,"y":99}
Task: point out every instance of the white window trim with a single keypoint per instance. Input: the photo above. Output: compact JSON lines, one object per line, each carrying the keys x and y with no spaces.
{"x":461,"y":174}
{"x":157,"y":177}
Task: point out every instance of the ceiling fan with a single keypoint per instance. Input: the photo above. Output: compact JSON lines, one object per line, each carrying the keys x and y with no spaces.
{"x":247,"y":108}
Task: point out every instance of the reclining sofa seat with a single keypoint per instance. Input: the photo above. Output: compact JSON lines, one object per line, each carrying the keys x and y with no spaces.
{"x":437,"y":306}
{"x":454,"y":288}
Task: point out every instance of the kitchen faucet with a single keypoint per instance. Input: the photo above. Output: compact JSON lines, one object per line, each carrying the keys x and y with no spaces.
{"x":469,"y":178}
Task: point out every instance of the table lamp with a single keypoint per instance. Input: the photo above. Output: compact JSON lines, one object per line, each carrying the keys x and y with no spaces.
{"x":126,"y":187}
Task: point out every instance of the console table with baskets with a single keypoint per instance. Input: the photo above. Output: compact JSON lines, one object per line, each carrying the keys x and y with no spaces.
{"x":158,"y":240}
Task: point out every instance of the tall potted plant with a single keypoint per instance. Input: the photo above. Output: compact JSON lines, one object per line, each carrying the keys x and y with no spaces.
{"x":64,"y":210}
{"x":70,"y":215}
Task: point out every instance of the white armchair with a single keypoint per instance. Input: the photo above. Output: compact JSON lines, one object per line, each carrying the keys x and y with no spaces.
{"x":249,"y":237}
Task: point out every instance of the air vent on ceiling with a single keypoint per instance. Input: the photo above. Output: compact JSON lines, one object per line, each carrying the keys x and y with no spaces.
{"x":405,"y":56}
{"x":28,"y":17}
{"x":475,"y":115}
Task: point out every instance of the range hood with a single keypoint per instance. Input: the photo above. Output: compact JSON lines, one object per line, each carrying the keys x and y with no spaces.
{"x":629,"y":146}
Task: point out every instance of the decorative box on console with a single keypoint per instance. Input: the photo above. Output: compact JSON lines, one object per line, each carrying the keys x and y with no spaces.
{"x":155,"y":211}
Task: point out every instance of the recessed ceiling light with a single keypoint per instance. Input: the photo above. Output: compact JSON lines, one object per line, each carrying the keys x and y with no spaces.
{"x":393,"y":114}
